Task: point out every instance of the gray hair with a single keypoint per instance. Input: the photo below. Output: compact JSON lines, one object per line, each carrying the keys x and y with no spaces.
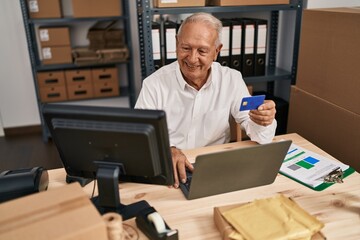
{"x":206,"y":18}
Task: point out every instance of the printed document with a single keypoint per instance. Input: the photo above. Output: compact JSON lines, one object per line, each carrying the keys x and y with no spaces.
{"x":307,"y":166}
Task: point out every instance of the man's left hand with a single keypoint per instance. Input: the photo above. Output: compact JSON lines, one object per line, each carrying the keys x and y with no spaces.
{"x":265,"y":114}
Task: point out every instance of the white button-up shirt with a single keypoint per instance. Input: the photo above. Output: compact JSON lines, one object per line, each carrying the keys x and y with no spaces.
{"x":200,"y":118}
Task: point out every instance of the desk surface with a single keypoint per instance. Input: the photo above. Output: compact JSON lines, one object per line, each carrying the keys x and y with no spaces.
{"x":337,"y":206}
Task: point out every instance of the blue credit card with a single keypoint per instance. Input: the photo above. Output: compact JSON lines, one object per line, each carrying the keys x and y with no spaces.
{"x":253,"y":102}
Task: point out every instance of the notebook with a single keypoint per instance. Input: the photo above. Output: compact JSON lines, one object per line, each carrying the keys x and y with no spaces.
{"x":236,"y":169}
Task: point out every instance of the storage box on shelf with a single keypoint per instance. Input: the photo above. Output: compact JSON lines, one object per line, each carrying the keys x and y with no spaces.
{"x":55,"y":45}
{"x":244,"y":2}
{"x":105,"y":82}
{"x":44,"y":8}
{"x":52,"y":86}
{"x":56,"y":55}
{"x":85,"y":56}
{"x":178,"y":3}
{"x":78,"y":76}
{"x":54,"y":36}
{"x":105,"y":34}
{"x":93,"y":8}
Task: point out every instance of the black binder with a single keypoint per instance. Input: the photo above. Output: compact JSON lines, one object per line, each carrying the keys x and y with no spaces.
{"x":247,"y":47}
{"x":156,"y":44}
{"x":260,"y":46}
{"x":224,"y":54}
{"x":235,"y":49}
{"x":170,"y":29}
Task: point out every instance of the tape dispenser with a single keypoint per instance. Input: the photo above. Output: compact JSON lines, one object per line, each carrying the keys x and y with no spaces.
{"x":150,"y":222}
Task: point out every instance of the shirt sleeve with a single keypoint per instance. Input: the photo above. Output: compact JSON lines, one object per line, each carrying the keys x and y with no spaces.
{"x":258,"y":133}
{"x":146,"y":98}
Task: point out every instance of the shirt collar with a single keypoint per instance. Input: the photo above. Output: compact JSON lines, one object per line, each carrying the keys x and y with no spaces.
{"x":183,"y":84}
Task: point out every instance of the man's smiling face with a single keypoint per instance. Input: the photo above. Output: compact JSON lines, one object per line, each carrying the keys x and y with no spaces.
{"x":196,"y":50}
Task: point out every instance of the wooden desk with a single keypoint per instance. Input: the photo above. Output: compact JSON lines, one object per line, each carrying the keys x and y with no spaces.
{"x":337,"y":206}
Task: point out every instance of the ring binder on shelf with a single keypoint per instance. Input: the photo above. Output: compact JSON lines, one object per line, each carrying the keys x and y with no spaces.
{"x":260,"y":46}
{"x":235,"y":48}
{"x":224,"y":55}
{"x":247,"y":48}
{"x":170,"y":29}
{"x":155,"y":34}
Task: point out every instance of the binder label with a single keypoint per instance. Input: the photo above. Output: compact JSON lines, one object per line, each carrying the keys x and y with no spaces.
{"x":249,"y":41}
{"x":261,"y":43}
{"x":170,"y":43}
{"x":236,"y":40}
{"x":156,"y":44}
{"x":225,"y":39}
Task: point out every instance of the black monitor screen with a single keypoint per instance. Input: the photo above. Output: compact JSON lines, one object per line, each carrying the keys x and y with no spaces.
{"x":135,"y":141}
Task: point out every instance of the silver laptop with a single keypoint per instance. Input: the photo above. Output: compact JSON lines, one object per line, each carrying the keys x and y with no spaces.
{"x":235,"y":169}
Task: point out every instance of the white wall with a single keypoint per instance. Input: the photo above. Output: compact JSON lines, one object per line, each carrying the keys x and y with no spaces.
{"x":17,"y":93}
{"x":332,"y":3}
{"x":1,"y":128}
{"x":18,"y":105}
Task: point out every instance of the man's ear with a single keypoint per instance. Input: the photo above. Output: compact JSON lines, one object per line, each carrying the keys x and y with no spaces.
{"x":218,"y":49}
{"x":176,"y":39}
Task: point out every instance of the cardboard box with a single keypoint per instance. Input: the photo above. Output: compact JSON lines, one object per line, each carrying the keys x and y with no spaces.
{"x":53,"y":94}
{"x":244,"y":2}
{"x":56,"y":55}
{"x":328,"y":64}
{"x":54,"y":36}
{"x":178,"y":3}
{"x":85,"y":56}
{"x":113,"y":55}
{"x":96,"y":8}
{"x":104,"y":75}
{"x":105,"y":34}
{"x":106,"y":89}
{"x":334,"y":129}
{"x":50,"y":79}
{"x":62,"y":213}
{"x":79,"y":76}
{"x":226,"y":229}
{"x":44,"y":8}
{"x":80,"y":91}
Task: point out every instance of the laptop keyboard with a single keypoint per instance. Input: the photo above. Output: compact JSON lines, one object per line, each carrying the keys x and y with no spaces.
{"x":188,"y":179}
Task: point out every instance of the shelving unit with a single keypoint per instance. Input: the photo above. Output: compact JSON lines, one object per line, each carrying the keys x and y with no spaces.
{"x":31,"y":24}
{"x":273,"y":73}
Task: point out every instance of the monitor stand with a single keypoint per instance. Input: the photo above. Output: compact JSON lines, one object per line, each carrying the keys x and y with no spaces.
{"x":108,"y":199}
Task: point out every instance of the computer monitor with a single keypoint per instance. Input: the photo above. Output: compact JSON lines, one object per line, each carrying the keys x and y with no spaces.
{"x":111,"y":145}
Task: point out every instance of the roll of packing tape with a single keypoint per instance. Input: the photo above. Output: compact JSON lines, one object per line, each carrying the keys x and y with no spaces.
{"x":114,"y":225}
{"x":158,"y":222}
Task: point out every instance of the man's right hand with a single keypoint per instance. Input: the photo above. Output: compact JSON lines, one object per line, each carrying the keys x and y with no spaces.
{"x":180,"y":163}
